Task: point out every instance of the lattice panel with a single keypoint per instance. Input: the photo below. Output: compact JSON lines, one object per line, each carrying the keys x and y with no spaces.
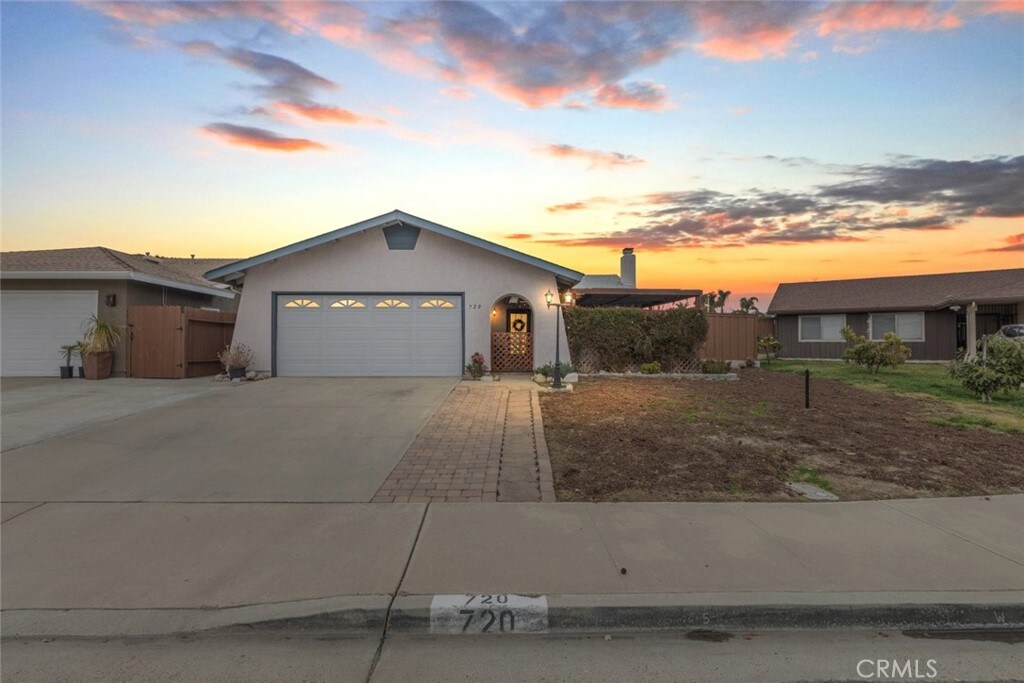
{"x":511,"y":352}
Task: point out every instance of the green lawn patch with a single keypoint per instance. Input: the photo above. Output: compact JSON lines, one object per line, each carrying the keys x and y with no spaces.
{"x":1005,"y":413}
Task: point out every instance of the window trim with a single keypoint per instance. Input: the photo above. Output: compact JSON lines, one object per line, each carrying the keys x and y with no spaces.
{"x":437,"y":303}
{"x":896,"y":315}
{"x":800,"y":328}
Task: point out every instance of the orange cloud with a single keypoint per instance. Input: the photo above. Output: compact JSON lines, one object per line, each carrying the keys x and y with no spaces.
{"x":884,"y":16}
{"x":327,"y":114}
{"x":258,"y":138}
{"x":1013,"y":243}
{"x":597,"y":158}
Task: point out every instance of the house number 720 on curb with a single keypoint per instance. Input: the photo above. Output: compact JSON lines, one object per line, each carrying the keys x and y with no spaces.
{"x":490,"y":612}
{"x":497,"y":613}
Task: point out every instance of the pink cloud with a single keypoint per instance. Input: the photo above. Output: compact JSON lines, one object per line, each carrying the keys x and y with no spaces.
{"x":645,"y":96}
{"x":884,"y":16}
{"x":259,"y":138}
{"x":327,"y":114}
{"x":597,"y":158}
{"x":457,"y":93}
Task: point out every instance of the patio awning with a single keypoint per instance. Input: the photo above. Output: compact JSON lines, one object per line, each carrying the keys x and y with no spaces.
{"x":635,"y":298}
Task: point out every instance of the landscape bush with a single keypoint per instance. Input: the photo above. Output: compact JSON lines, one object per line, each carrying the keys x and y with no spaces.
{"x":652,"y":368}
{"x":874,"y":355}
{"x":617,"y":339}
{"x":999,"y":368}
{"x":549,"y":369}
{"x":715,"y":367}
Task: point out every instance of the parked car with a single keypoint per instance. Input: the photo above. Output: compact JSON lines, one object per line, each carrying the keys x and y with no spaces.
{"x":1015,"y":332}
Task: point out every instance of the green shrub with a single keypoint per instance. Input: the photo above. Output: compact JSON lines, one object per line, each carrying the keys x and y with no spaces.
{"x":549,"y":369}
{"x":874,"y":355}
{"x":1000,"y":370}
{"x":616,"y":339}
{"x":652,"y":368}
{"x":715,"y":367}
{"x":769,"y":345}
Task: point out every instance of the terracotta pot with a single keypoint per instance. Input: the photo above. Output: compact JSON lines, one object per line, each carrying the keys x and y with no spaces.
{"x":97,"y":365}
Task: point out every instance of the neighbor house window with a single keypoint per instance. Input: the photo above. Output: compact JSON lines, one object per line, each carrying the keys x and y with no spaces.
{"x":437,"y":303}
{"x":348,"y":303}
{"x":827,"y":328}
{"x":907,"y":326}
{"x":302,"y":303}
{"x":392,"y":303}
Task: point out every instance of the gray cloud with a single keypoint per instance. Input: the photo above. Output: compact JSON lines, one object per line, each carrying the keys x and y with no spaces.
{"x":912,"y":194}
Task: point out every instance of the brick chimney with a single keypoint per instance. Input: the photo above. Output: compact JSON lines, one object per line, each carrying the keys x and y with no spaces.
{"x":627,"y":268}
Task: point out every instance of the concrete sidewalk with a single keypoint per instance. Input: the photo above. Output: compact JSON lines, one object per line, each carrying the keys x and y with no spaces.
{"x":129,"y":569}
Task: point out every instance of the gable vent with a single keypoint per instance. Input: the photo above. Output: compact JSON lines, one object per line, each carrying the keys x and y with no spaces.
{"x":401,"y":236}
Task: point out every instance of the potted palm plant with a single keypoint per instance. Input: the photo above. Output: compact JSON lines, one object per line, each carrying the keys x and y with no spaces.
{"x":69,"y":350}
{"x":97,"y":347}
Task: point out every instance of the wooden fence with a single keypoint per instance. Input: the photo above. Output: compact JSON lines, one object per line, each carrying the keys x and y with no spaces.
{"x":734,"y":337}
{"x":174,"y":342}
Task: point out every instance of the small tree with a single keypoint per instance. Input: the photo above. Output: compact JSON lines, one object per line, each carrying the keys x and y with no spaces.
{"x":769,"y":345}
{"x":999,"y":368}
{"x":748,"y":305}
{"x":874,"y":355}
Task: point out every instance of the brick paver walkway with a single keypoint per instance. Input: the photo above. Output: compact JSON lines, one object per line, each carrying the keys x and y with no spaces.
{"x":479,"y":446}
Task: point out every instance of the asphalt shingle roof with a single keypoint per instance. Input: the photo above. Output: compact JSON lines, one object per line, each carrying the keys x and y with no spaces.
{"x":909,"y":292}
{"x":101,"y":259}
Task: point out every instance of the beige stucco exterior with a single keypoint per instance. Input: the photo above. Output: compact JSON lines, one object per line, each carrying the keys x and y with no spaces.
{"x":363,"y":263}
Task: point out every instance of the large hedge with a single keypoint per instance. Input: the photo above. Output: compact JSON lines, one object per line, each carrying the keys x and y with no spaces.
{"x":621,"y":339}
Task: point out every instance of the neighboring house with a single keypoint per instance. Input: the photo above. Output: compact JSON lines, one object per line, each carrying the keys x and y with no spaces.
{"x":621,"y":289}
{"x":47,"y":295}
{"x":395,"y":295}
{"x":934,"y":314}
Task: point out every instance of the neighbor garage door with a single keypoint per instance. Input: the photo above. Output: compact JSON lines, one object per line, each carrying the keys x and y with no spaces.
{"x":351,"y":335}
{"x":34,"y":325}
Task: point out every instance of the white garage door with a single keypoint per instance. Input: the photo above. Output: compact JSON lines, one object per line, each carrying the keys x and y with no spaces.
{"x":352,"y":335}
{"x":34,"y":325}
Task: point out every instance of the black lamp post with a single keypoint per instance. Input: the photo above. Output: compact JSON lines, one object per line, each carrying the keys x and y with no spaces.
{"x":552,"y":300}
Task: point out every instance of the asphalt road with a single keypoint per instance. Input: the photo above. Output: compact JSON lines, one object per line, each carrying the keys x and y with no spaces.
{"x":763,"y":656}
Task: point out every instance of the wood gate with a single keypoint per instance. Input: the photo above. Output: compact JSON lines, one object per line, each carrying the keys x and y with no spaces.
{"x":511,"y":351}
{"x":174,"y":342}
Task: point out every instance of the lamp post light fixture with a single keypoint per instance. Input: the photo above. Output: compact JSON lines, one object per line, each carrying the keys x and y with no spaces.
{"x":553,"y":300}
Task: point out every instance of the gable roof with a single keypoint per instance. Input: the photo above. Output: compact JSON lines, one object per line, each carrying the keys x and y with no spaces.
{"x":235,"y":271}
{"x":101,"y":263}
{"x":904,"y":293}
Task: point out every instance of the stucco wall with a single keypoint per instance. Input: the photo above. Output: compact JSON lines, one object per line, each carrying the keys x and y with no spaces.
{"x":363,"y":263}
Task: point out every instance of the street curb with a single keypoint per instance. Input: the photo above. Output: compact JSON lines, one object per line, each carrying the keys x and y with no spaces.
{"x":349,"y":614}
{"x":590,"y":613}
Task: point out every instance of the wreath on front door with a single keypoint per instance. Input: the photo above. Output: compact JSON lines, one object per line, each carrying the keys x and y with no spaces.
{"x":519,"y":325}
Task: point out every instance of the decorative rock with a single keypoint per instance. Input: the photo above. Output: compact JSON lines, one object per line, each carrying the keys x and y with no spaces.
{"x":810,"y":491}
{"x":236,"y":380}
{"x":487,"y":378}
{"x":539,"y":378}
{"x":572,"y":377}
{"x":250,"y":375}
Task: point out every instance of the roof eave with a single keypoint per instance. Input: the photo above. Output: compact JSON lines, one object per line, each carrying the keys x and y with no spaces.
{"x":114,"y":275}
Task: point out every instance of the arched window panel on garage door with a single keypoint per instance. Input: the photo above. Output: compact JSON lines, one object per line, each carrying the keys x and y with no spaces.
{"x":437,"y":303}
{"x":348,"y":303}
{"x":302,"y":302}
{"x":392,"y":303}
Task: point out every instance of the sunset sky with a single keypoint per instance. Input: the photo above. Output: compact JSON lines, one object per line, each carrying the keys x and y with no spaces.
{"x":733,"y":144}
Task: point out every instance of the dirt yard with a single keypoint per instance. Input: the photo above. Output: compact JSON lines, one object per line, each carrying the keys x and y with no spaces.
{"x":657,"y":440}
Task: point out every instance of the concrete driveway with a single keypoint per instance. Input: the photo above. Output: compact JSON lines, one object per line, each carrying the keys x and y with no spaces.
{"x":37,"y":408}
{"x":280,"y":440}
